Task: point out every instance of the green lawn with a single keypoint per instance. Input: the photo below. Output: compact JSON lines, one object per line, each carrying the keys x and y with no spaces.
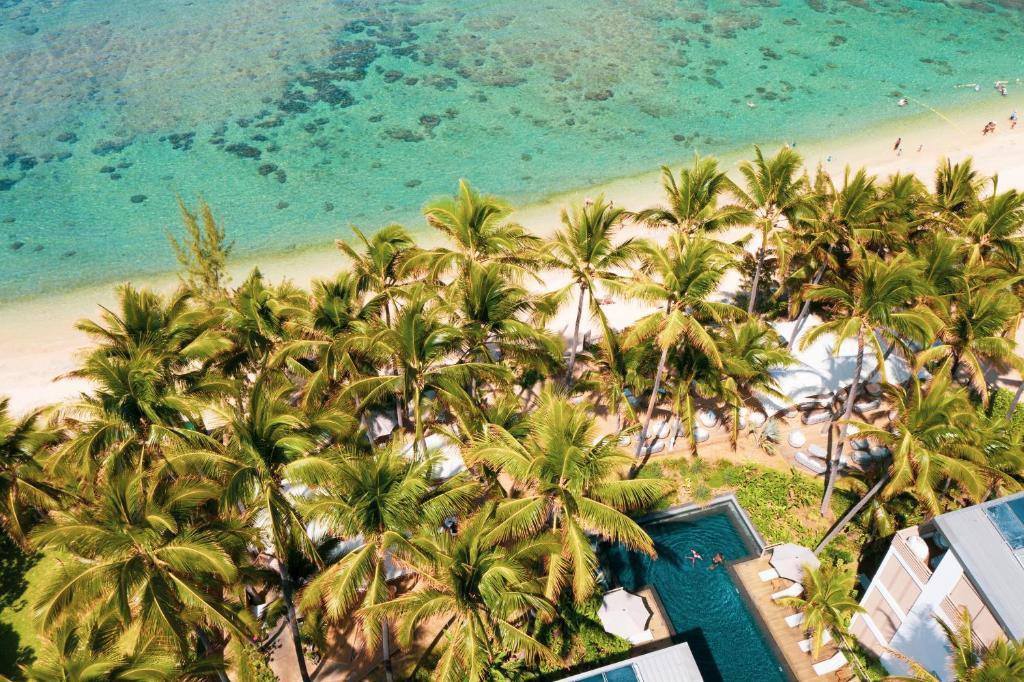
{"x":21,"y":579}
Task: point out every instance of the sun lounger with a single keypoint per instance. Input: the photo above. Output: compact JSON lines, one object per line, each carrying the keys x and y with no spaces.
{"x":879,"y":453}
{"x":795,"y":619}
{"x":830,"y":665}
{"x":768,"y":574}
{"x":708,"y":418}
{"x":805,"y":644}
{"x":811,"y":463}
{"x":874,"y":390}
{"x":862,"y":457}
{"x":811,"y":405}
{"x":861,"y":444}
{"x":797,"y":439}
{"x":794,"y":590}
{"x":664,"y":430}
{"x":757,"y":418}
{"x":654,"y":448}
{"x":816,"y":417}
{"x":816,"y":450}
{"x":867,"y":405}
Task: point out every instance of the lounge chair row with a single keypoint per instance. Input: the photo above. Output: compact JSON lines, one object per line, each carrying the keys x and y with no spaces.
{"x":829,"y":665}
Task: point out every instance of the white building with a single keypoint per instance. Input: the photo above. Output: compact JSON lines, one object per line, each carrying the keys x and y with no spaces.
{"x":973,"y":558}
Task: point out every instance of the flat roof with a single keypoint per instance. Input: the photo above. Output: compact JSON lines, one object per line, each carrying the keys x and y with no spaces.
{"x":672,"y":664}
{"x":980,"y":540}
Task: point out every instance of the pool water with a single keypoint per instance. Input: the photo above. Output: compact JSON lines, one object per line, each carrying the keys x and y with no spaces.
{"x":704,"y":605}
{"x":624,"y":674}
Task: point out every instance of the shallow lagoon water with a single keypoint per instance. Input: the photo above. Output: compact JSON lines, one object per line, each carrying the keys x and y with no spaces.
{"x":296,"y":119}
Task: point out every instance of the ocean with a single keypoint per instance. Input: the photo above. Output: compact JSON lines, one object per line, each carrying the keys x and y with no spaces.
{"x":296,"y":119}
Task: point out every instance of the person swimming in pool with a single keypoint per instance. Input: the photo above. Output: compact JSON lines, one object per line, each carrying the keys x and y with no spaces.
{"x":716,"y":561}
{"x":694,"y":557}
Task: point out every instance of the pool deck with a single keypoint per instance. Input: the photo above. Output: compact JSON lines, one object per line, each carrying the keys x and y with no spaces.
{"x":659,"y":625}
{"x":773,"y":616}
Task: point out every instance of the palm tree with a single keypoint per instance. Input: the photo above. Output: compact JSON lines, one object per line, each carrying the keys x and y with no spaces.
{"x":379,"y":501}
{"x":269,"y":448}
{"x":477,"y":226}
{"x":693,"y":200}
{"x":339,"y":310}
{"x":501,"y":321}
{"x":381,"y":267}
{"x":698,"y":374}
{"x":957,"y":189}
{"x":969,"y":661}
{"x":774,"y":193}
{"x":828,"y":601}
{"x":976,"y":335}
{"x":146,"y":554}
{"x":835,"y":222}
{"x":993,"y":232}
{"x":872,"y":303}
{"x":585,"y":248}
{"x":567,"y":482}
{"x":421,"y":348}
{"x":22,"y":479}
{"x":680,"y":278}
{"x":480,"y":589}
{"x":931,"y":443}
{"x":750,"y":351}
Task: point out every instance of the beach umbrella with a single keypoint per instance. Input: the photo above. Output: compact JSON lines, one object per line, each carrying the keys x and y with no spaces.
{"x":789,"y":561}
{"x":623,"y":614}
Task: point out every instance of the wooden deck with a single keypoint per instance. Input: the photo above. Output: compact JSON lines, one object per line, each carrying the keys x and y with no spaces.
{"x":773,"y":616}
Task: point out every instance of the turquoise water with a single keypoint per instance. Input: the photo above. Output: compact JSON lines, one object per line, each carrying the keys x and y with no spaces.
{"x":296,"y":119}
{"x":704,"y":605}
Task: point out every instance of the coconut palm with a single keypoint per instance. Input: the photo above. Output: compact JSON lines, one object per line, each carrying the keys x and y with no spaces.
{"x":422,"y":349}
{"x":23,"y":483}
{"x":680,"y":279}
{"x":957,"y":189}
{"x":931,"y":441}
{"x":774,"y":193}
{"x":478,"y":228}
{"x":567,"y":482}
{"x":145,"y":554}
{"x":585,"y":248}
{"x":377,"y":501}
{"x":969,"y":661}
{"x":338,"y":311}
{"x":750,"y":351}
{"x":698,"y":375}
{"x":976,"y":335}
{"x":993,"y":232}
{"x":835,"y":222}
{"x":693,"y":200}
{"x":269,"y":448}
{"x":381,"y":266}
{"x":501,"y":321}
{"x":876,"y":301}
{"x":828,"y":601}
{"x":480,"y":590}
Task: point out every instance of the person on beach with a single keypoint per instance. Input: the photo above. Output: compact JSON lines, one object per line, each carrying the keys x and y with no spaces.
{"x":990,"y":127}
{"x":1013,"y":119}
{"x":898,"y":146}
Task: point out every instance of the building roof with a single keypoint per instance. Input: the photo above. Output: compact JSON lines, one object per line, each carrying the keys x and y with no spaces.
{"x":987,"y":540}
{"x":672,"y":664}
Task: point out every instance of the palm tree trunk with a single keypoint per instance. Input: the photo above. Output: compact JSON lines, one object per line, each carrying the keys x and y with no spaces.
{"x":642,"y":437}
{"x":805,"y":311}
{"x":385,"y":642}
{"x":418,"y":445}
{"x":691,"y":431}
{"x":734,"y":434}
{"x":293,"y":619}
{"x":1016,"y":399}
{"x":204,"y":641}
{"x":833,"y":463}
{"x":575,"y":336}
{"x":848,"y":516}
{"x":757,"y":280}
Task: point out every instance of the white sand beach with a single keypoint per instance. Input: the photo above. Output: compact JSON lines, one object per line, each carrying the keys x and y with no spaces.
{"x":40,"y":344}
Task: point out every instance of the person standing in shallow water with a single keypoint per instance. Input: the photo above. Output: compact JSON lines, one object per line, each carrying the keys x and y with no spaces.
{"x":898,"y":147}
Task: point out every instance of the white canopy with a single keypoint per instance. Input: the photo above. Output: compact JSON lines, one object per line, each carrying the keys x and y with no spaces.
{"x":789,"y":561}
{"x":821,"y":370}
{"x":624,"y":614}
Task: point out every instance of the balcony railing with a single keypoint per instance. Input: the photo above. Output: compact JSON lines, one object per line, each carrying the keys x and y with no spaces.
{"x":916,"y":565}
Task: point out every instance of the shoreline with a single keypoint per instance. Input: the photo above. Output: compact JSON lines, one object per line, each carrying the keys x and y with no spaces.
{"x":42,"y":344}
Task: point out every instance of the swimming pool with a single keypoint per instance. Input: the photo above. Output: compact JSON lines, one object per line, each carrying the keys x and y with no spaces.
{"x":703,"y":604}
